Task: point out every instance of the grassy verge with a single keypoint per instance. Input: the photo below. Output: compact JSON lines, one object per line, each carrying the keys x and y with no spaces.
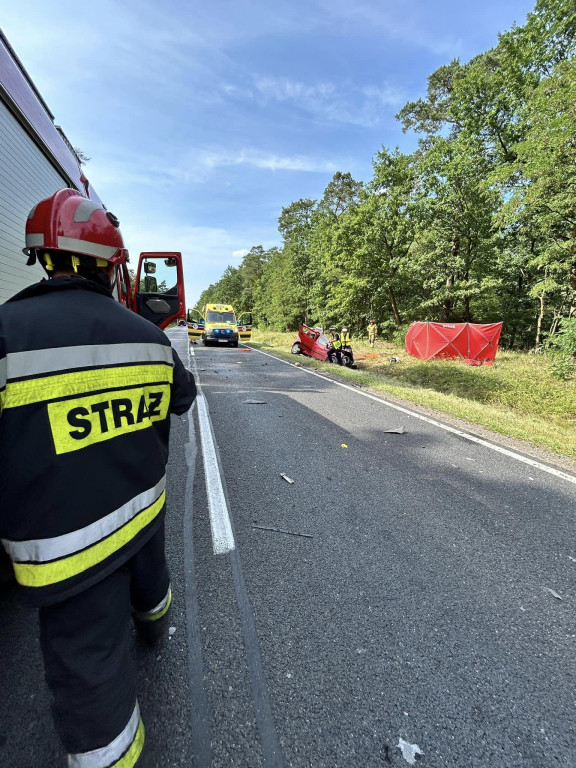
{"x":517,"y":396}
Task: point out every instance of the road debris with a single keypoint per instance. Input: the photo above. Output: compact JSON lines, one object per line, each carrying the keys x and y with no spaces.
{"x":281,"y":530}
{"x":288,"y":479}
{"x":344,"y":445}
{"x":572,"y":558}
{"x":171,"y":631}
{"x":554,"y":594}
{"x":394,"y":359}
{"x":409,"y":751}
{"x":255,"y":402}
{"x":397,"y":431}
{"x":297,"y":365}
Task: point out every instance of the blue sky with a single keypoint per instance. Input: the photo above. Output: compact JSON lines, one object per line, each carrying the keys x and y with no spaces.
{"x":202,"y":120}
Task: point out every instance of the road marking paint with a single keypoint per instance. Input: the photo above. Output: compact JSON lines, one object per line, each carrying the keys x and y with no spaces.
{"x":221,"y":527}
{"x":222,"y":536}
{"x":446,"y":427}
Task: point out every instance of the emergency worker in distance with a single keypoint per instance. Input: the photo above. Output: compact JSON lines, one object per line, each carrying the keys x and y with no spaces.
{"x":334,"y":346}
{"x":86,"y":392}
{"x":346,"y":338}
{"x":372,"y":332}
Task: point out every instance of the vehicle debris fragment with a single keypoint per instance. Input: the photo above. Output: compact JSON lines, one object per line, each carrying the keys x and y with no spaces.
{"x":572,"y":558}
{"x":409,"y":751}
{"x":397,"y":431}
{"x":288,"y":479}
{"x":554,"y":594}
{"x":282,"y":530}
{"x":344,"y":445}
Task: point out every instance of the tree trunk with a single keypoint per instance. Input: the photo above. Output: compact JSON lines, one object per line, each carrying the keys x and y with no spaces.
{"x":540,"y":320}
{"x":555,"y":322}
{"x":467,"y":313}
{"x":397,"y":317}
{"x":447,"y":308}
{"x":450,"y":280}
{"x":572,"y":310}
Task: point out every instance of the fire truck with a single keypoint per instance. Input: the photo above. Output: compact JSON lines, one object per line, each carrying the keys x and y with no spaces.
{"x":36,"y":159}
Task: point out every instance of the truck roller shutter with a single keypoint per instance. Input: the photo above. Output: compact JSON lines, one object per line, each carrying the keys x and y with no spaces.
{"x":26,"y":176}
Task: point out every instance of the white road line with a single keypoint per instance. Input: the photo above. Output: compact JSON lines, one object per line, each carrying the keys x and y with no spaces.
{"x":222,"y":535}
{"x":416,"y":415}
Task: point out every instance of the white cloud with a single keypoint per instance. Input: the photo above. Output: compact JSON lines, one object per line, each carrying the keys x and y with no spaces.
{"x":367,"y":105}
{"x":195,"y":167}
{"x":241,"y":253}
{"x":222,"y":158}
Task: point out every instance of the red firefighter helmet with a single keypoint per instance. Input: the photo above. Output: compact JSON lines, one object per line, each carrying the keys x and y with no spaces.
{"x":66,"y":221}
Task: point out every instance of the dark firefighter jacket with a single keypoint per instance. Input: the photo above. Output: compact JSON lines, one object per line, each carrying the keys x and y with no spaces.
{"x":86,"y":392}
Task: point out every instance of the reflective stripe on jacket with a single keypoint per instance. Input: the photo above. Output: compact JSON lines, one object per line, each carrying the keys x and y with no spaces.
{"x":86,"y":392}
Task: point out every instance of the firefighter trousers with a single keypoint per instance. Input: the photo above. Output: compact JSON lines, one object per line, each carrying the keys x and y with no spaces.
{"x":85,"y":642}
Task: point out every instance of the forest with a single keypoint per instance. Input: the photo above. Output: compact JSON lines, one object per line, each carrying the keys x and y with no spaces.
{"x":477,"y":224}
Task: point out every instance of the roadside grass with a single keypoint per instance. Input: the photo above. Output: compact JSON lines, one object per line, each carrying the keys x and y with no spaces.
{"x":517,"y":396}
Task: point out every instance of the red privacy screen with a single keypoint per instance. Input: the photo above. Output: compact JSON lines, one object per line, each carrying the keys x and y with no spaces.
{"x":472,"y":342}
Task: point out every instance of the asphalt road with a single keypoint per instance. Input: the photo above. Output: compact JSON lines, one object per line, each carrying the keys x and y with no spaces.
{"x":421,"y":608}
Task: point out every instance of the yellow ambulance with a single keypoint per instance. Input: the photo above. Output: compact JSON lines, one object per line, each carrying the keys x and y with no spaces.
{"x":217,"y":324}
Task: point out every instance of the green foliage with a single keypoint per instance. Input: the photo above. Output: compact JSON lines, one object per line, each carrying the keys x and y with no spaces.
{"x":479,"y":224}
{"x":565,"y":340}
{"x":562,"y":349}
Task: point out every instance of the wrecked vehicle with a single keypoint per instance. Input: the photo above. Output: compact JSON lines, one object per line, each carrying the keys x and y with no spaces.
{"x":313,"y":343}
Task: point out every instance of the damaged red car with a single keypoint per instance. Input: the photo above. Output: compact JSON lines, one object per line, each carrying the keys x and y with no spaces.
{"x":313,"y":343}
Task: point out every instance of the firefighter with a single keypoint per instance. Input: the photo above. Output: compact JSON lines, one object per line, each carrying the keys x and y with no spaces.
{"x":334,"y":346}
{"x":86,"y":392}
{"x":372,"y":332}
